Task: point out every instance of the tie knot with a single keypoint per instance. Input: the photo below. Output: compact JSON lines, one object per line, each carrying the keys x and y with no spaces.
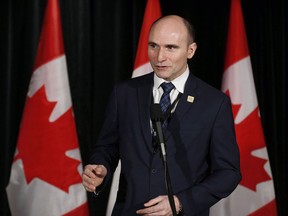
{"x":167,"y":86}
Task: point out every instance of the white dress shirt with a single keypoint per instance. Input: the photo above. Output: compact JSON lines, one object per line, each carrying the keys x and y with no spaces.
{"x":179,"y":84}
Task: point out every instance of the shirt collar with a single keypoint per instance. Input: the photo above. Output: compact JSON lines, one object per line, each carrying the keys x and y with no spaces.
{"x":178,"y":82}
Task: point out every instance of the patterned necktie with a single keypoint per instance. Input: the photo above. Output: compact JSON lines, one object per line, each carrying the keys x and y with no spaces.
{"x":165,"y":101}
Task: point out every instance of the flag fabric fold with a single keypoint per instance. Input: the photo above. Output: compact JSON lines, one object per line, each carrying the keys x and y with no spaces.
{"x":46,"y":170}
{"x":255,"y":194}
{"x":141,"y":67}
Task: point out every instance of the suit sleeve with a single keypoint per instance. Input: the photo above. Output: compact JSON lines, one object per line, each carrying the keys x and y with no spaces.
{"x":105,"y":150}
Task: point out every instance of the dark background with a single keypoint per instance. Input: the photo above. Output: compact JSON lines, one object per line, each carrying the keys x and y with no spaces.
{"x":100,"y":38}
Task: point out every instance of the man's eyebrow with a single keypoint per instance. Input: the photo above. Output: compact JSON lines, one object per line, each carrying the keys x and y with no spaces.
{"x":172,"y":45}
{"x":151,"y":43}
{"x":166,"y":45}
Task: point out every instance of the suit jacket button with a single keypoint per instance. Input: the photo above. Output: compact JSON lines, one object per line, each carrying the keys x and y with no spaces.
{"x":154,"y":171}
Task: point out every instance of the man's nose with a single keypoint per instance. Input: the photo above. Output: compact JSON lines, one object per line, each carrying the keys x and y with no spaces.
{"x":161,"y":56}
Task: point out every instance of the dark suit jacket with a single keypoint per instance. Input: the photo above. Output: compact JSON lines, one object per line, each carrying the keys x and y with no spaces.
{"x":202,"y":154}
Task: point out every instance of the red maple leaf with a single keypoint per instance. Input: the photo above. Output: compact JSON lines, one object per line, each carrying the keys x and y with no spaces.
{"x":250,"y":137}
{"x":42,"y":144}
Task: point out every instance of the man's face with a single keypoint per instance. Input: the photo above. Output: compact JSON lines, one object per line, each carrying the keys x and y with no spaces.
{"x":168,"y":48}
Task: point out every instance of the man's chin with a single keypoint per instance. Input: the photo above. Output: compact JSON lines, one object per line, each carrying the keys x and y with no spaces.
{"x":162,"y":74}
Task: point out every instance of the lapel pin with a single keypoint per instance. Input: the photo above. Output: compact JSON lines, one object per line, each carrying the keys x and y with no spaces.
{"x":190,"y":99}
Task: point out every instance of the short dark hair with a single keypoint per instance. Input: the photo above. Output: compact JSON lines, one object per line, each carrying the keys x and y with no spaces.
{"x":190,"y":29}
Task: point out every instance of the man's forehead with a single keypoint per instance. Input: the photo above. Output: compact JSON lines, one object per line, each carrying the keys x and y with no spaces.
{"x":169,"y":28}
{"x":167,"y":36}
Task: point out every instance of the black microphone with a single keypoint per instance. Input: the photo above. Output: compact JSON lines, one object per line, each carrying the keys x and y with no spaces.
{"x":157,"y":118}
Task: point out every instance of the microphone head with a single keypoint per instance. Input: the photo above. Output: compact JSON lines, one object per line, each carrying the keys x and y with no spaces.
{"x":156,"y":113}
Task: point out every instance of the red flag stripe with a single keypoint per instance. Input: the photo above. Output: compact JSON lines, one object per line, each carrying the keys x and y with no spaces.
{"x":152,"y":12}
{"x":236,"y":36}
{"x":51,"y":42}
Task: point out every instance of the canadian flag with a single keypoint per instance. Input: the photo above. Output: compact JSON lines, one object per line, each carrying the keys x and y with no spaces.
{"x":45,"y":175}
{"x":255,"y":194}
{"x":141,"y":67}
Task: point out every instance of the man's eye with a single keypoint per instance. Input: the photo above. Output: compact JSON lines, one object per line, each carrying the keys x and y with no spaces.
{"x":171,"y":47}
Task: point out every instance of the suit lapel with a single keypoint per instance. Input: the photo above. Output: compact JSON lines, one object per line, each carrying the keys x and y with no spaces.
{"x":185,"y":103}
{"x":144,"y":103}
{"x":144,"y":91}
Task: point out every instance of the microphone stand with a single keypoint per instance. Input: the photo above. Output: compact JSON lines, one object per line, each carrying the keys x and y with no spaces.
{"x":157,"y":119}
{"x":168,"y":181}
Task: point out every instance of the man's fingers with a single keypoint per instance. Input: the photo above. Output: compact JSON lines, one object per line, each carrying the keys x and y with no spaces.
{"x":93,"y":176}
{"x":94,"y":171}
{"x":100,"y":171}
{"x":154,"y":201}
{"x":89,"y":183}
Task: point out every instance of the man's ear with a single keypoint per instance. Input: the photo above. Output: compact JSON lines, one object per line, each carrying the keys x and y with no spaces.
{"x":191,"y":50}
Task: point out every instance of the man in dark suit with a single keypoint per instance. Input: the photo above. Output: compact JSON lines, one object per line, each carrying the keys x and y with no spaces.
{"x":202,"y":153}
